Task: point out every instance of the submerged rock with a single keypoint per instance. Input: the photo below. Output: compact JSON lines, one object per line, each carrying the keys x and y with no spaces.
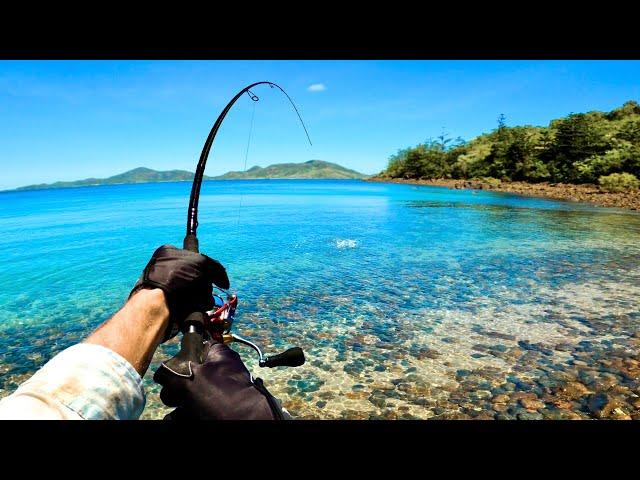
{"x":603,"y":406}
{"x":484,"y":416}
{"x":428,"y":353}
{"x":531,"y":404}
{"x":378,"y":400}
{"x":573,"y":390}
{"x":529,"y":416}
{"x":502,"y":398}
{"x":452,"y":416}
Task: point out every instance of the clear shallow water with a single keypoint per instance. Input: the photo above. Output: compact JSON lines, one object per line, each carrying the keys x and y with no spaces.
{"x":410,"y":302}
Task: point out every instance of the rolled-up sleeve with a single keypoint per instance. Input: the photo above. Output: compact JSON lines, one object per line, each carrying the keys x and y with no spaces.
{"x":85,"y":381}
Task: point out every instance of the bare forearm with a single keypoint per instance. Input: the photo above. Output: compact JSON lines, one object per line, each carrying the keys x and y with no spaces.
{"x":101,"y":378}
{"x":136,"y":330}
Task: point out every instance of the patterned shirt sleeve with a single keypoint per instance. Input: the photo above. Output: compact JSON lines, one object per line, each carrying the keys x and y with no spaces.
{"x":85,"y":381}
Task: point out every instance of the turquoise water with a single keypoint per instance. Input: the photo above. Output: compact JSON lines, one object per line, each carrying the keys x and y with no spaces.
{"x":410,"y":302}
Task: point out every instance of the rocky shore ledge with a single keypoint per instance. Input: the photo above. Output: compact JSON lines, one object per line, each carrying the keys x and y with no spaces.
{"x":558,"y":191}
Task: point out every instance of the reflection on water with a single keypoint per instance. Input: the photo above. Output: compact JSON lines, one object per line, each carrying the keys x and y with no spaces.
{"x":409,"y":302}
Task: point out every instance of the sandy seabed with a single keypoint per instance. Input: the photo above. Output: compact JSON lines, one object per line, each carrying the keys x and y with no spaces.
{"x":557,"y":356}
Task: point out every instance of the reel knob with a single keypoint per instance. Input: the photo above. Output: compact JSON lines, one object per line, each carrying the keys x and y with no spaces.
{"x":293,"y":357}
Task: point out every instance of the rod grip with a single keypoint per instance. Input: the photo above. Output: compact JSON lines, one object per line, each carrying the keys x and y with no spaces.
{"x":191,"y":243}
{"x":191,"y":347}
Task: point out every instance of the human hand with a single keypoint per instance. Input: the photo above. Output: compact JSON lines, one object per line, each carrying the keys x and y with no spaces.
{"x":220,"y":389}
{"x":186,"y":278}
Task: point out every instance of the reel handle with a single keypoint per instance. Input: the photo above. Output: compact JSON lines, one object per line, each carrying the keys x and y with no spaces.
{"x":293,"y":357}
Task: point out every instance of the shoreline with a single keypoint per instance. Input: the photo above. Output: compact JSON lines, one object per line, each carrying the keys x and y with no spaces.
{"x":23,"y":189}
{"x":585,"y":193}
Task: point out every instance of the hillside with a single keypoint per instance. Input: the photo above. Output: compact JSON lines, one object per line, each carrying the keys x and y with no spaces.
{"x":137,"y":175}
{"x":310,"y":169}
{"x":579,"y":148}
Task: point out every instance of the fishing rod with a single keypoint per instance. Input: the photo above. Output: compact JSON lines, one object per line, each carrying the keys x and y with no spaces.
{"x":216,"y":324}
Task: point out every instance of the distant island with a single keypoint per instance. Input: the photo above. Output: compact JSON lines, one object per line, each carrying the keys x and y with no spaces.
{"x":137,"y":175}
{"x":311,"y":169}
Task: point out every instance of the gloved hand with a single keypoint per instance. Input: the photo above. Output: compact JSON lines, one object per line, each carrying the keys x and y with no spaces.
{"x":220,"y":389}
{"x":186,"y":279}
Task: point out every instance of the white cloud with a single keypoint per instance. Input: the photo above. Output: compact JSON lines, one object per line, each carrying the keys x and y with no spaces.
{"x":317,"y":87}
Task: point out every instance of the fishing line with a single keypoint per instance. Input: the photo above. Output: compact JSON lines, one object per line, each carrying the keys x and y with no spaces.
{"x":246,"y":156}
{"x":191,"y":239}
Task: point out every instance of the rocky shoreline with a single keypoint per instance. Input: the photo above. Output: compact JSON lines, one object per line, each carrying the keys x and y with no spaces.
{"x":558,"y":191}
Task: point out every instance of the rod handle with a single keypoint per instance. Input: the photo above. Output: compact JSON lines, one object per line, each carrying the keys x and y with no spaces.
{"x":191,"y":347}
{"x":191,"y":243}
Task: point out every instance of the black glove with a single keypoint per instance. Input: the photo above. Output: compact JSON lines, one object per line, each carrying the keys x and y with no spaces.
{"x":220,"y":389}
{"x":186,"y":279}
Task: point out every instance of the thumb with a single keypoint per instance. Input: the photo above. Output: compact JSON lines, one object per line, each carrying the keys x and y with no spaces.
{"x":216,"y":273}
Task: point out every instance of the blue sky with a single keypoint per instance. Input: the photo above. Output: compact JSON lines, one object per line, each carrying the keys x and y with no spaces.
{"x":67,"y":120}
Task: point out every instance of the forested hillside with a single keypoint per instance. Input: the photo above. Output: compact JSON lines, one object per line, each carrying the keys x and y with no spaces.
{"x":579,"y":148}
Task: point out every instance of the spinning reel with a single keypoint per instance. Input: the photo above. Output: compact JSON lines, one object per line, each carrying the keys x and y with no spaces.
{"x":218,"y":323}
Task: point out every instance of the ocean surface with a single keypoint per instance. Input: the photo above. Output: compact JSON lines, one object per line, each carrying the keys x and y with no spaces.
{"x":409,"y":301}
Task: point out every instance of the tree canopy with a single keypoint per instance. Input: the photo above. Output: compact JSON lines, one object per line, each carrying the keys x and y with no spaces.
{"x":578,"y":148}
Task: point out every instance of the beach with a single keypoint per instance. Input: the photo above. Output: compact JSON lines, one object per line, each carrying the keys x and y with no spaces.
{"x":558,"y":191}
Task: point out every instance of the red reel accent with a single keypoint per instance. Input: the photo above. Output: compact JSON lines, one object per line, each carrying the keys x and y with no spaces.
{"x":218,"y":321}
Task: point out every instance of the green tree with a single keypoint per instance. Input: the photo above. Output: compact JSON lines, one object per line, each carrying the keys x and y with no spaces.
{"x":619,"y":182}
{"x":414,"y":164}
{"x":434,"y":157}
{"x":576,"y":139}
{"x":627,"y":109}
{"x":630,"y":131}
{"x":396,"y":165}
{"x":502,"y":126}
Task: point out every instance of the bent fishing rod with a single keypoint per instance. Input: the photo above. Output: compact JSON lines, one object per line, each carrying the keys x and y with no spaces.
{"x":216,"y":324}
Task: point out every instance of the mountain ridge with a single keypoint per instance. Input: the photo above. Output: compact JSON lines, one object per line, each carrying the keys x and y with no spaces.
{"x":310,"y":169}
